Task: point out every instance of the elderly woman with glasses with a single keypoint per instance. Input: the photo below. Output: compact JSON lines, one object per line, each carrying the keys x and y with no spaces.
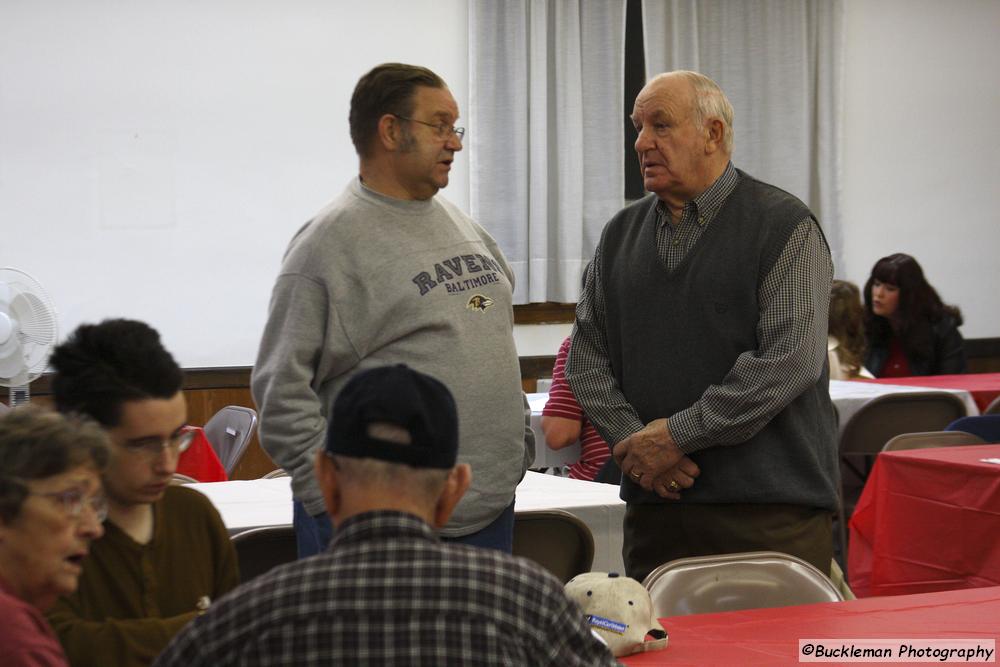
{"x":51,"y":508}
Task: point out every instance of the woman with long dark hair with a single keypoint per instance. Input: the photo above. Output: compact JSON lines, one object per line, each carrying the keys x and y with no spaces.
{"x":910,"y":331}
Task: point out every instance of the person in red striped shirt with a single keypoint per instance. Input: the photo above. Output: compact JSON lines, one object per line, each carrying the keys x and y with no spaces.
{"x":564,"y":423}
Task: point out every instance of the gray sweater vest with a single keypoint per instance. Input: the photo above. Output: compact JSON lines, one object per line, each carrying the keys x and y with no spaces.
{"x":671,"y":334}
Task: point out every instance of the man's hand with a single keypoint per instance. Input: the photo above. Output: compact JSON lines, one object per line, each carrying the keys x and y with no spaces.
{"x":653,"y":460}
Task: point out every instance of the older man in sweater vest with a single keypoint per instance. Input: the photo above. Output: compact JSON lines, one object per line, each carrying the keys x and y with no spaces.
{"x":700,"y":346}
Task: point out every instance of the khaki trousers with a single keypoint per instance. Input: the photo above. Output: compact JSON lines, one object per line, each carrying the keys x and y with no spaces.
{"x":655,"y":534}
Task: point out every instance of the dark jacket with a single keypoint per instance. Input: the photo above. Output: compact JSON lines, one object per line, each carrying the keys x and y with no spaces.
{"x":947,"y":355}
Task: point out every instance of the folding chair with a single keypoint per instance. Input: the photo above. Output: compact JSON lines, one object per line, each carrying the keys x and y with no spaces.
{"x":730,"y":582}
{"x":260,"y":549}
{"x":986,"y":427}
{"x":879,"y":420}
{"x":230,"y":430}
{"x":556,"y":540}
{"x":993,"y":408}
{"x":929,"y":439}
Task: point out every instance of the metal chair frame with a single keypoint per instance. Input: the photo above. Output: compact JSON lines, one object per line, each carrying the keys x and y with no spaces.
{"x":557,"y":540}
{"x":993,"y":408}
{"x":230,"y":431}
{"x":931,"y":439}
{"x":260,"y":549}
{"x":879,"y":420}
{"x":730,"y":582}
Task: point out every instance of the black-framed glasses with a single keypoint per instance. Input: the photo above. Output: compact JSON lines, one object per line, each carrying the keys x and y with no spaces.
{"x":153,"y":447}
{"x":443,"y":130}
{"x":73,"y":501}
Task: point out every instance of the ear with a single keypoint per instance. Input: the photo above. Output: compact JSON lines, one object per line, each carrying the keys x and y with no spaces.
{"x":329,"y":484}
{"x":390,"y":132}
{"x":458,"y":482}
{"x":715,"y":133}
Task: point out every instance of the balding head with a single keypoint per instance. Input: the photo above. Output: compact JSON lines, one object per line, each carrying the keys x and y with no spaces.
{"x":685,"y":137}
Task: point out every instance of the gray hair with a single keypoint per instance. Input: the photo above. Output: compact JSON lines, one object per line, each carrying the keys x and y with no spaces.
{"x":36,"y":444}
{"x":710,"y":102}
{"x":423,"y":484}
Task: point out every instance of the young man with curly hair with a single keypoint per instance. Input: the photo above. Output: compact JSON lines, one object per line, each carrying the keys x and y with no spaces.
{"x":165,"y":553}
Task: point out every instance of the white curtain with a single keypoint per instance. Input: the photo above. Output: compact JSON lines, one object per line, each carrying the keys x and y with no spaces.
{"x":779,"y":62}
{"x":546,"y":133}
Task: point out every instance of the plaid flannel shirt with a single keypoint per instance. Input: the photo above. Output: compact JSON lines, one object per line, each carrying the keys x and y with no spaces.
{"x":389,"y":592}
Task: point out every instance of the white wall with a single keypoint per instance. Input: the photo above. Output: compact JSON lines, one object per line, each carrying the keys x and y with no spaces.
{"x":922,"y":146}
{"x":156,"y":157}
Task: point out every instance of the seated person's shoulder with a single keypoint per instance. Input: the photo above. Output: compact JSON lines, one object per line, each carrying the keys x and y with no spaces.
{"x":180,"y":496}
{"x":190,"y":508}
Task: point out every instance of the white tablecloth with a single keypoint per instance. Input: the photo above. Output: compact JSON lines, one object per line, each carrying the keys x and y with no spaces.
{"x":597,"y":505}
{"x":268,"y":502}
{"x":849,"y":396}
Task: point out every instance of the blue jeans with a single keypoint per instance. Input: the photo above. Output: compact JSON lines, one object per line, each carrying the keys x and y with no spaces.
{"x":312,"y":533}
{"x":497,"y":535}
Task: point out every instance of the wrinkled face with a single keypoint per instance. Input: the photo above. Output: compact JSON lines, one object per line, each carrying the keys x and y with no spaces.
{"x":423,"y":164}
{"x":885,"y":298}
{"x":670,"y":146}
{"x":43,"y":547}
{"x":136,"y":475}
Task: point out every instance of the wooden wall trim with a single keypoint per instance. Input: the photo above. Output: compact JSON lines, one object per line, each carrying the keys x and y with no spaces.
{"x":980,"y":348}
{"x":983,"y":354}
{"x":545,"y":313}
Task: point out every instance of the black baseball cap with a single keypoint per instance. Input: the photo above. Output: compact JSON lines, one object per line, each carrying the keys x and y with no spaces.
{"x":398,"y":395}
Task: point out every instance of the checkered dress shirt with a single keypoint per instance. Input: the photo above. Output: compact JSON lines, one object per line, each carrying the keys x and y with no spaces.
{"x":794,"y":300}
{"x":389,"y":592}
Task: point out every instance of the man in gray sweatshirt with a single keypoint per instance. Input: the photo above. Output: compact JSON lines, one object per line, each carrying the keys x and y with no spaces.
{"x":389,"y":273}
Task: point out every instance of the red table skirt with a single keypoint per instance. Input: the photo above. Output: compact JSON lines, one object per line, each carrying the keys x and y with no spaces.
{"x":927,"y":520}
{"x":771,"y":636}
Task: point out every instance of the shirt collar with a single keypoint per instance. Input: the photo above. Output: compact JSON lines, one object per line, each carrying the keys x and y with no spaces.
{"x":381,"y":523}
{"x":708,"y":203}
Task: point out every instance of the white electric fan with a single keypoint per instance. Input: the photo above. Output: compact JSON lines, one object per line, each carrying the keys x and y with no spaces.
{"x":27,"y":332}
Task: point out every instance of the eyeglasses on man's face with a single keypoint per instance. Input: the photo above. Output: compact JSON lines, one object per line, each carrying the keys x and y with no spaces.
{"x":73,"y":501}
{"x":442,"y":130}
{"x":153,"y":447}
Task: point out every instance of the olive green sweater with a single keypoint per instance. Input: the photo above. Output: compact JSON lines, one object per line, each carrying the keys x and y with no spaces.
{"x":133,"y":598}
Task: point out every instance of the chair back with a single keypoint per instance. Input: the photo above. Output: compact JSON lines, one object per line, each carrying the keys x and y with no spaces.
{"x":179,"y":478}
{"x":986,"y":427}
{"x":277,"y":472}
{"x":878,"y":421}
{"x":556,"y":540}
{"x":884,"y":417}
{"x":230,"y":430}
{"x":993,"y":408}
{"x":260,"y":549}
{"x":730,"y":582}
{"x":930,"y":439}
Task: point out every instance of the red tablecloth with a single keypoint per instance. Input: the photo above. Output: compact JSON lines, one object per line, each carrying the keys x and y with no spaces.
{"x":927,"y":520}
{"x":984,"y":387}
{"x":771,"y":636}
{"x":200,"y":461}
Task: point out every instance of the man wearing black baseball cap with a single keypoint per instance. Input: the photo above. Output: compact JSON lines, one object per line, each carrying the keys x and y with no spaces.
{"x":388,"y":591}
